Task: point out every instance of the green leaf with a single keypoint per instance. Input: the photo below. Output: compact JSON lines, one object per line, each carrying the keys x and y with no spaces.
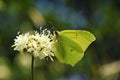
{"x":70,"y":45}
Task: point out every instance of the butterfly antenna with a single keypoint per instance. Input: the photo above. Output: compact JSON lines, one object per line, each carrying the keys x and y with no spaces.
{"x":51,"y":24}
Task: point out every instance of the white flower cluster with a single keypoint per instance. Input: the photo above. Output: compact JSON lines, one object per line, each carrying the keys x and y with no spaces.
{"x":39,"y":44}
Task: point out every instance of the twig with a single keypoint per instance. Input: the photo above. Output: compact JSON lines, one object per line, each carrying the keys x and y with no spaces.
{"x":32,"y":67}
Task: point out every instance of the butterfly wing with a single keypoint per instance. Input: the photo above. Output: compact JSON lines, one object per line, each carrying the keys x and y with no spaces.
{"x":72,"y":44}
{"x":81,"y":37}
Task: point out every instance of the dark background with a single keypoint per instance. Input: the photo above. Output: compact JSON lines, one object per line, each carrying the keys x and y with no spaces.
{"x":101,"y":17}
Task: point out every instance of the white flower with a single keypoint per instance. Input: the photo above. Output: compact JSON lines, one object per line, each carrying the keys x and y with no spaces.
{"x":40,"y":45}
{"x":20,"y":42}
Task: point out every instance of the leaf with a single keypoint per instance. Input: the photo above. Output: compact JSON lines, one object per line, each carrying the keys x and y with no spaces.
{"x":70,"y":45}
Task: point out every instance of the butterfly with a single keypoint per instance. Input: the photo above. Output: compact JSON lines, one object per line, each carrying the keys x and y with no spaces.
{"x":70,"y":45}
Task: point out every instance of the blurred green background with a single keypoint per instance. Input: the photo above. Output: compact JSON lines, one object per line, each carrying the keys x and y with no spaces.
{"x":101,"y":17}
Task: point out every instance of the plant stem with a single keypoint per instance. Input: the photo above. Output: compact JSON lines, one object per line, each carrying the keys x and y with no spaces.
{"x":32,"y":67}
